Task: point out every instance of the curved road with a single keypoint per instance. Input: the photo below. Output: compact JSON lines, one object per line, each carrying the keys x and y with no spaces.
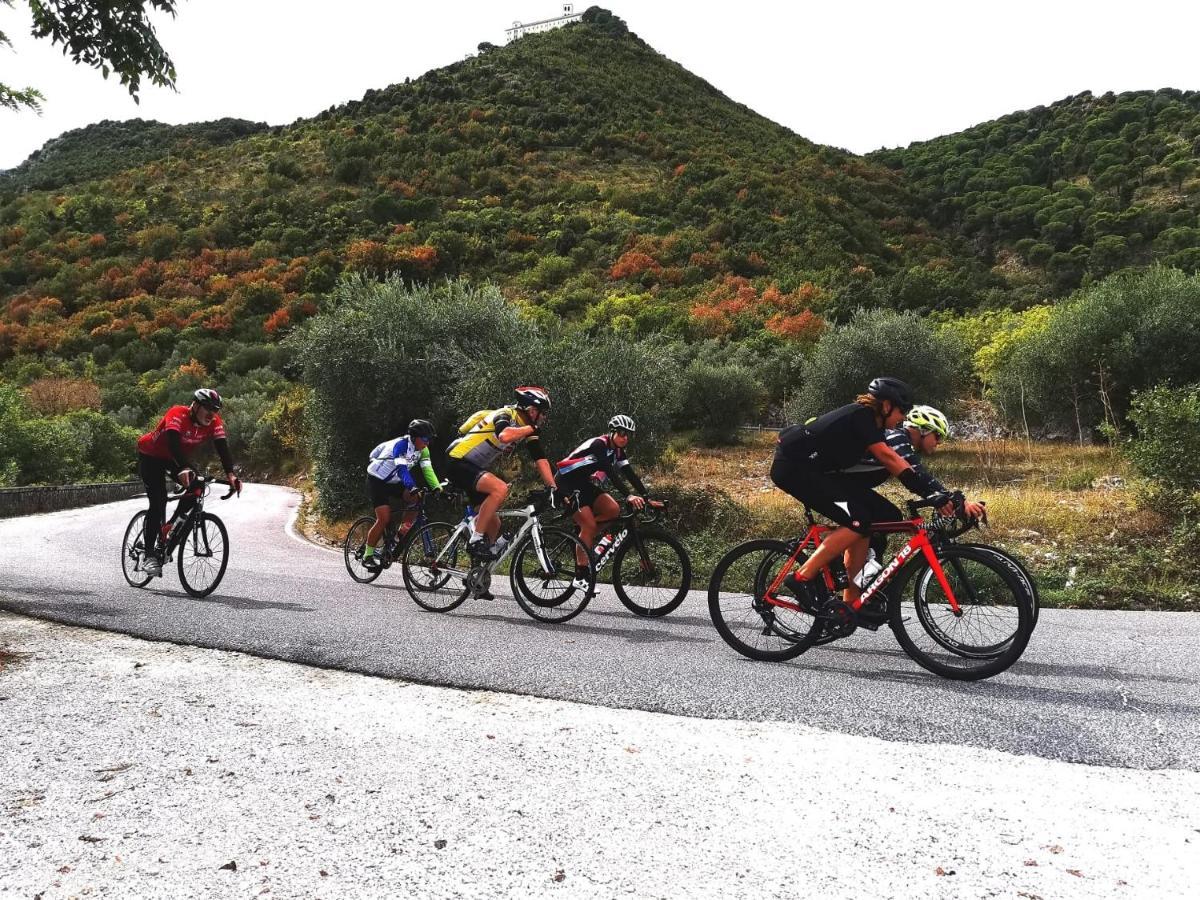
{"x":1111,"y":688}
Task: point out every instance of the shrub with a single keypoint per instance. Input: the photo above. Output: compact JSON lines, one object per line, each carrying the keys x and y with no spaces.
{"x":1167,"y":422}
{"x":55,"y":396}
{"x":388,"y":353}
{"x":880,"y":342}
{"x":1124,"y":334}
{"x":717,"y":400}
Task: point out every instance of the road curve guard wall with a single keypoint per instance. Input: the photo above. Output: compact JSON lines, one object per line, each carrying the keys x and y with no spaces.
{"x":23,"y":501}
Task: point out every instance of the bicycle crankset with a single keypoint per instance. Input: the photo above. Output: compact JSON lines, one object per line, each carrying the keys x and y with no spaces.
{"x":478,"y":582}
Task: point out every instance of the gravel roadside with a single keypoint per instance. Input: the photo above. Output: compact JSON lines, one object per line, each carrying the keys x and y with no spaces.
{"x":141,"y":769}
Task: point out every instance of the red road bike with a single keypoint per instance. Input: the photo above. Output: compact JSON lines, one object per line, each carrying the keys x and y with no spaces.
{"x":972,"y":619}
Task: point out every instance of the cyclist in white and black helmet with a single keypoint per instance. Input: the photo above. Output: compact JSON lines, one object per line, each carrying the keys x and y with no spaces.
{"x":168,"y":450}
{"x":585,"y":472}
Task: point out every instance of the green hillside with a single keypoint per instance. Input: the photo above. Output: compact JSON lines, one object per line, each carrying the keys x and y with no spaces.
{"x":106,"y":148}
{"x":589,"y":176}
{"x":598,"y":185}
{"x":1062,"y":194}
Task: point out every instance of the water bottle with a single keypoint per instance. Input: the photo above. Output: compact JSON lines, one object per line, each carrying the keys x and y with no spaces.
{"x":870,"y":569}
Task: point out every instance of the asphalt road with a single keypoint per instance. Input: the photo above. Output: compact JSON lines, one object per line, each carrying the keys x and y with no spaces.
{"x":1106,"y":688}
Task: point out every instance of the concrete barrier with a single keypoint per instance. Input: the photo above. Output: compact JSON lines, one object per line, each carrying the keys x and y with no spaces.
{"x":24,"y":501}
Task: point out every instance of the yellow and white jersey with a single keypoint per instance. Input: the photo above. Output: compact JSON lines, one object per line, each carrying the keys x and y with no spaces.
{"x":480,"y":441}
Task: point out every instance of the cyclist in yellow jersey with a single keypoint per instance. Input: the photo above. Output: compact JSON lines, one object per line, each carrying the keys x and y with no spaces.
{"x":486,"y":436}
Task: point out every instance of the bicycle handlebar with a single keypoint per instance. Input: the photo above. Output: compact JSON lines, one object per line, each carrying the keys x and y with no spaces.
{"x":201,"y":483}
{"x":936,"y":502}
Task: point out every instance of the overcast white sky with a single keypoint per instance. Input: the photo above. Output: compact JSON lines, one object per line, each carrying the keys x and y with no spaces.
{"x":859,"y":74}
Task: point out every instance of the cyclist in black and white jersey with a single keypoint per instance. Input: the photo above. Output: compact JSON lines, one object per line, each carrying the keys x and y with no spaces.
{"x":922,"y":430}
{"x":583,"y":474}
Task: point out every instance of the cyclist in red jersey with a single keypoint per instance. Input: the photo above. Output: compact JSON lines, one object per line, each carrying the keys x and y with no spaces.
{"x":167,"y":451}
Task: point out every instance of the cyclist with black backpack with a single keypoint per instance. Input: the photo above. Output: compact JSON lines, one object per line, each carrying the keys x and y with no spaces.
{"x":812,"y":463}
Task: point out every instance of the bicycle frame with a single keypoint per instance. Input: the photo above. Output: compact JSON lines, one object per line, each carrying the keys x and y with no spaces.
{"x":530,"y":516}
{"x":919,"y":543}
{"x":622,"y":527}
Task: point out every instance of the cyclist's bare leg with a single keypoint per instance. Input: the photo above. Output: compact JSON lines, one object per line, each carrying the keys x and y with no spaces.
{"x":410,"y":516}
{"x":487,"y":519}
{"x":605,"y":509}
{"x":383,"y":515}
{"x":856,"y":558}
{"x":837,"y":542}
{"x":585,"y":518}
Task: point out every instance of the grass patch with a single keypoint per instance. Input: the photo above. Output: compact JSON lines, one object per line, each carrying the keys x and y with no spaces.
{"x":1077,"y":515}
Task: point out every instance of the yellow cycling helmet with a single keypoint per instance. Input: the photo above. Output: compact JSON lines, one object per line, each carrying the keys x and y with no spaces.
{"x":926,"y":418}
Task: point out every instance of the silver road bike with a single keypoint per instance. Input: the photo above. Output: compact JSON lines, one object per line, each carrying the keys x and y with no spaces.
{"x":440,"y":573}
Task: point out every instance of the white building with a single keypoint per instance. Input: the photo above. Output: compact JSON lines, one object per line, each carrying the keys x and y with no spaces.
{"x":520,"y":30}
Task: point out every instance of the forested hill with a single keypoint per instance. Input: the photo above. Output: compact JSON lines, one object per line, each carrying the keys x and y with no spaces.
{"x":105,"y":148}
{"x":588,"y":175}
{"x":1070,"y":191}
{"x":591,"y":178}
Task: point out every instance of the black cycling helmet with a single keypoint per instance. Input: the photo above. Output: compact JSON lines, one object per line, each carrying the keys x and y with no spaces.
{"x":887,"y":388}
{"x":534,"y":396}
{"x":422,"y":428}
{"x":208,"y":397}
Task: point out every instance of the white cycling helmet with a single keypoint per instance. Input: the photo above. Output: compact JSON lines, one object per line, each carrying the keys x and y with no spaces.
{"x":622,"y":423}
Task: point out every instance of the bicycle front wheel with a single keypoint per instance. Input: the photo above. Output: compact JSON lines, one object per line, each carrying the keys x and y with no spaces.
{"x":543,"y":581}
{"x":133,"y":551}
{"x":988,"y":633}
{"x":352,"y":550}
{"x":203,"y":555}
{"x":744,"y":618}
{"x":652,"y":573}
{"x":435,"y":565}
{"x":1019,"y":568}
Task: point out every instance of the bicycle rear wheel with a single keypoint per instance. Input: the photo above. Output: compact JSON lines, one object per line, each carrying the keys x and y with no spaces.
{"x":133,"y":551}
{"x":203,"y":555}
{"x":986,"y":636}
{"x":652,"y":573}
{"x":543,"y":582}
{"x":352,"y":550}
{"x":434,"y":564}
{"x":743,"y":617}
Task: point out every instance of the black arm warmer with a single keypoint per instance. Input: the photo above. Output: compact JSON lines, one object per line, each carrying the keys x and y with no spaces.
{"x":634,"y":480}
{"x":222,"y":446}
{"x":918,"y":480}
{"x":533,"y":445}
{"x":175,"y":445}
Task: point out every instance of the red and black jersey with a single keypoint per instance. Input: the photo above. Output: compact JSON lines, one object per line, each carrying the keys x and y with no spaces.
{"x":191,"y":433}
{"x":596,"y":458}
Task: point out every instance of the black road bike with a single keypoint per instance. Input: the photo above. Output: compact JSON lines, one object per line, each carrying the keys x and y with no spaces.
{"x":197,"y":541}
{"x":651,"y":569}
{"x":394,"y":543}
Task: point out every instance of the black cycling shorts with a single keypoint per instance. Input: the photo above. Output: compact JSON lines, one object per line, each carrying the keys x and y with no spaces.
{"x":464,"y":475}
{"x":837,"y":497}
{"x":585,"y":489}
{"x":384,"y":493}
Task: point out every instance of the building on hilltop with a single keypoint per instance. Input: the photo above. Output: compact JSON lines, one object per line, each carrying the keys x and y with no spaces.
{"x":520,"y":30}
